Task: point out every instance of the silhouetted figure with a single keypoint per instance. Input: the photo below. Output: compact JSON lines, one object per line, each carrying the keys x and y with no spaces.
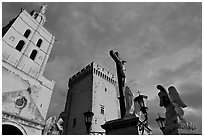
{"x":174,"y":112}
{"x":171,"y":125}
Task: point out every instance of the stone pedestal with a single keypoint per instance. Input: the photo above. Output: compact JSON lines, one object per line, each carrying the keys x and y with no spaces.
{"x":125,"y":126}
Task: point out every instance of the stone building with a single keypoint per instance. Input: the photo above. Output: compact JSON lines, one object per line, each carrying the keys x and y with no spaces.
{"x":91,"y":89}
{"x":26,"y":93}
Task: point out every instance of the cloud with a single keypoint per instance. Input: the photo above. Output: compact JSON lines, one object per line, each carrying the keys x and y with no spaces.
{"x":183,"y":71}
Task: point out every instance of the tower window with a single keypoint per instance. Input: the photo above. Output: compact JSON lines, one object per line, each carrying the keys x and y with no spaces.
{"x":20,"y":45}
{"x":27,"y":33}
{"x":74,"y":122}
{"x":33,"y":54}
{"x":102,"y":109}
{"x":39,"y":42}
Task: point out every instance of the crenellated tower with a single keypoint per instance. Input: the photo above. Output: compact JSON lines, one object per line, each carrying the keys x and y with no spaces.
{"x":91,"y":89}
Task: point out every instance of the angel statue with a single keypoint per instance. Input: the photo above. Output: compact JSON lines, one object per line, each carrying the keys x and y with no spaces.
{"x":171,"y":124}
{"x":179,"y":104}
{"x":174,"y":112}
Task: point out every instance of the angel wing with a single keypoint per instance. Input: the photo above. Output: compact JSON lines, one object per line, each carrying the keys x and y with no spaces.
{"x":177,"y":102}
{"x":175,"y":98}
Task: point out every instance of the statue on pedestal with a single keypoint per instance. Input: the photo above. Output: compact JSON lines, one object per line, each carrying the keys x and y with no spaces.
{"x":174,"y":112}
{"x":179,"y":104}
{"x":171,"y":125}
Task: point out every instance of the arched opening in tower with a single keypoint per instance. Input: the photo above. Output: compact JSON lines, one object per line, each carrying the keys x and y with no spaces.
{"x":10,"y":130}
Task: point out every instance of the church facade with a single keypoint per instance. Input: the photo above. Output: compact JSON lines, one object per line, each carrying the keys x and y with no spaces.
{"x":26,"y":93}
{"x":91,"y":89}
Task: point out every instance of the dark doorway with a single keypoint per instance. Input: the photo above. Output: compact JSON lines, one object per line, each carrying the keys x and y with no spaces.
{"x":10,"y":130}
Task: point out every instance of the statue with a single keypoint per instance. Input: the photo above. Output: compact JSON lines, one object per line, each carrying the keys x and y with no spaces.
{"x":174,"y":112}
{"x":128,"y":100}
{"x":120,"y":65}
{"x":54,"y":125}
{"x":50,"y":127}
{"x":60,"y":122}
{"x":171,"y":125}
{"x":179,"y":104}
{"x":43,"y":9}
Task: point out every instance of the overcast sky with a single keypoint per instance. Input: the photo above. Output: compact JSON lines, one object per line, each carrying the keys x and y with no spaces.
{"x":161,"y":42}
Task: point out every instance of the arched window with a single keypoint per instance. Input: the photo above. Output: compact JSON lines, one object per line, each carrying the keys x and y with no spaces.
{"x":20,"y":45}
{"x":39,"y":42}
{"x":33,"y":54}
{"x":27,"y":33}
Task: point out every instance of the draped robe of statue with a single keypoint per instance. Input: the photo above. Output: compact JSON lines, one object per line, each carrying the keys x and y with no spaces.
{"x":128,"y":101}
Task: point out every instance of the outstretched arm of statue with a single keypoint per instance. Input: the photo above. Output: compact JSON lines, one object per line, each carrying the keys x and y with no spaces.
{"x":115,"y":58}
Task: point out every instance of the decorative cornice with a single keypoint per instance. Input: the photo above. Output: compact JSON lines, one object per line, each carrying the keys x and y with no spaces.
{"x":92,"y":68}
{"x":81,"y":75}
{"x":21,"y":120}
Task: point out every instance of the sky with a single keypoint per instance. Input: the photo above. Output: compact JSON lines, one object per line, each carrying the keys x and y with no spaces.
{"x":161,"y":42}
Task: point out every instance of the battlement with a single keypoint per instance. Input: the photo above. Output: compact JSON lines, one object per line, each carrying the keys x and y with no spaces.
{"x":95,"y":69}
{"x":102,"y":72}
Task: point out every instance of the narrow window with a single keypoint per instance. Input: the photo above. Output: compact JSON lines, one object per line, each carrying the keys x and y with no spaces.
{"x":74,"y":122}
{"x":105,"y":89}
{"x":20,"y":45}
{"x":39,"y":42}
{"x":102,"y":109}
{"x":33,"y":54}
{"x":27,"y":33}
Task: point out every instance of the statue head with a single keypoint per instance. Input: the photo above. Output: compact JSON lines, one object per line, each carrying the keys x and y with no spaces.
{"x":123,"y":61}
{"x":62,"y":115}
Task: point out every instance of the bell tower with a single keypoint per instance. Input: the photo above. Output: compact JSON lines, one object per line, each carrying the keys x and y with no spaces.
{"x":27,"y":44}
{"x":26,"y":93}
